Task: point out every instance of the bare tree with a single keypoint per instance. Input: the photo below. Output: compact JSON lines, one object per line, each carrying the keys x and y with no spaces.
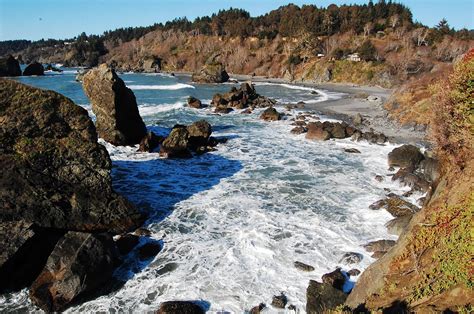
{"x":419,"y":35}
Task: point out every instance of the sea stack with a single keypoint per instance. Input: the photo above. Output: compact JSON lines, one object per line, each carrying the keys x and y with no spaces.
{"x":115,"y":106}
{"x":9,"y":66}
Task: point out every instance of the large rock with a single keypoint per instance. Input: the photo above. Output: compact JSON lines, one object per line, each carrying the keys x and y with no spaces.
{"x":79,"y":264}
{"x":211,"y":73}
{"x":54,"y":173}
{"x":23,"y":254}
{"x":322,"y":297}
{"x":176,"y":144}
{"x":114,"y":104}
{"x":335,"y":278}
{"x":193,"y":102}
{"x":180,"y":307}
{"x":34,"y":68}
{"x":240,"y":98}
{"x":199,"y":133}
{"x":9,"y":66}
{"x":270,"y":114}
{"x":405,"y":156}
{"x":317,"y":132}
{"x":152,"y":64}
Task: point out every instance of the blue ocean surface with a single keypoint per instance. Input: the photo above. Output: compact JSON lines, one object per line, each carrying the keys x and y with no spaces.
{"x":234,"y":221}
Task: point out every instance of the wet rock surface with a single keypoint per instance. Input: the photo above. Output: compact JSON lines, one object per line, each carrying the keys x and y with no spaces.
{"x":322,"y":297}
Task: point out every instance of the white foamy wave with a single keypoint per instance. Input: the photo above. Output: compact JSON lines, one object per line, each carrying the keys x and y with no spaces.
{"x":324,"y":95}
{"x":161,"y":87}
{"x":148,"y":110}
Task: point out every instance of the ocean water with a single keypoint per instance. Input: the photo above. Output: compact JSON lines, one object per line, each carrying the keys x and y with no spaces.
{"x":233,"y":222}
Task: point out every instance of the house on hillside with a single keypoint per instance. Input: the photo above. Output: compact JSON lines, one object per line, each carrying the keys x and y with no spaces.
{"x":354,"y":57}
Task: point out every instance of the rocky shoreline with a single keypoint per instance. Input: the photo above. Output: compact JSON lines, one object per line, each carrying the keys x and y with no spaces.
{"x":72,"y":242}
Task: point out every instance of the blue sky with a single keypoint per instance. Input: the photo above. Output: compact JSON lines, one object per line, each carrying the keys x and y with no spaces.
{"x":35,"y":19}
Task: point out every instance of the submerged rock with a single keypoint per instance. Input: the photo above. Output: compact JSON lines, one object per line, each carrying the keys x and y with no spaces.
{"x":54,"y":173}
{"x":79,"y":264}
{"x":303,"y":266}
{"x":351,"y":258}
{"x":211,"y":73}
{"x":126,"y":243}
{"x":352,"y":150}
{"x":9,"y":66}
{"x":323,"y":297}
{"x":180,"y":307}
{"x":114,"y":104}
{"x":34,"y":68}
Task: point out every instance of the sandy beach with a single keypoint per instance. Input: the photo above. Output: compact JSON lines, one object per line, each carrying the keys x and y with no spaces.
{"x":354,"y":100}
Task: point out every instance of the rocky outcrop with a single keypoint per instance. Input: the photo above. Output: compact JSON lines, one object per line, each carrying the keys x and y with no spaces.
{"x":240,"y":98}
{"x":270,"y":114}
{"x":326,"y":130}
{"x":180,"y":307}
{"x":152,"y":65}
{"x":79,"y":264}
{"x":194,"y":102}
{"x":335,"y":279}
{"x":183,"y":140}
{"x":55,"y":174}
{"x":9,"y":66}
{"x":322,"y":297}
{"x":405,"y":156}
{"x":34,"y":68}
{"x":213,"y":72}
{"x":114,"y":104}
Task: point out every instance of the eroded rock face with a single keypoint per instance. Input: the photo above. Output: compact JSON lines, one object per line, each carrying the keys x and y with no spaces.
{"x":80,"y":263}
{"x":54,"y":173}
{"x":34,"y":68}
{"x":114,"y":104}
{"x":211,"y":73}
{"x":9,"y":66}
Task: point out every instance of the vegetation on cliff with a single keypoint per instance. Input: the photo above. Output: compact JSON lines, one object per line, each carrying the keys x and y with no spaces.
{"x":430,"y":268}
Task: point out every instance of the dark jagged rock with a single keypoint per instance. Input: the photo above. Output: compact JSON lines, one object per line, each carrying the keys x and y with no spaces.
{"x":279,"y":301}
{"x":114,"y":104}
{"x":180,"y":307}
{"x":34,"y":68}
{"x":270,"y":114}
{"x":126,"y":243}
{"x":299,"y":130}
{"x":303,"y":266}
{"x":149,"y":250}
{"x":211,"y":73}
{"x":23,"y":254}
{"x":405,"y":156}
{"x":54,"y":173}
{"x":142,"y":232}
{"x":9,"y":66}
{"x":335,"y":279}
{"x":183,"y":140}
{"x":79,"y":264}
{"x":194,"y":102}
{"x":150,"y":142}
{"x":243,"y":97}
{"x":322,"y":297}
